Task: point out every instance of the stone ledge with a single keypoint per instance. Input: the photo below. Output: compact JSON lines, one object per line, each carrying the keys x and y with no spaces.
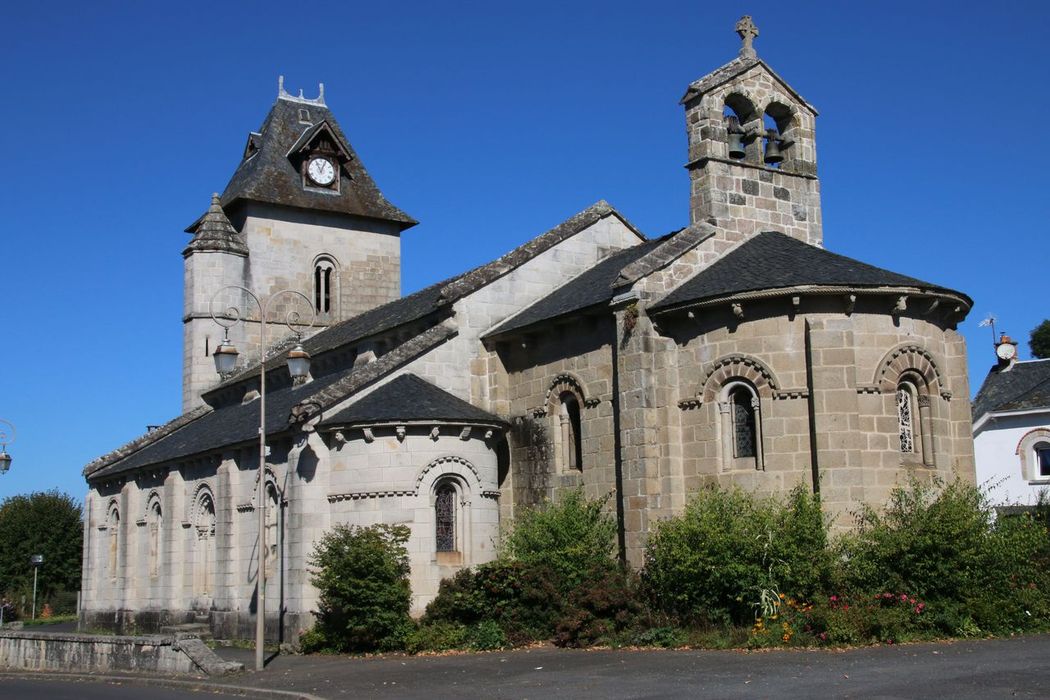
{"x":66,"y":651}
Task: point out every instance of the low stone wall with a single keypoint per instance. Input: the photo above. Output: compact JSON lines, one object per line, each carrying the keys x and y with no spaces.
{"x":38,"y":651}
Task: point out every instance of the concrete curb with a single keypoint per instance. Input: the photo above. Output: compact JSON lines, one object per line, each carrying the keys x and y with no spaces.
{"x":164,"y":682}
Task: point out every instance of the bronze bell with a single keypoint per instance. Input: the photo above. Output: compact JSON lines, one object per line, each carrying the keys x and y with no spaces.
{"x":735,"y":137}
{"x":773,"y":154}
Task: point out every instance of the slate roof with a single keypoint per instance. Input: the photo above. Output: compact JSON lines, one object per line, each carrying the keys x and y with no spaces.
{"x":409,"y":398}
{"x":228,"y":425}
{"x":590,"y":288}
{"x":204,"y":429}
{"x":1025,"y":386}
{"x":213,"y":231}
{"x":773,"y":260}
{"x":267,"y":175}
{"x":439,"y":297}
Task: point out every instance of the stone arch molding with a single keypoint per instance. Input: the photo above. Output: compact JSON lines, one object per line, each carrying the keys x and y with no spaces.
{"x":449,"y":465}
{"x":562,"y":383}
{"x":736,"y":366}
{"x":151,"y":498}
{"x":910,"y":358}
{"x":193,"y":504}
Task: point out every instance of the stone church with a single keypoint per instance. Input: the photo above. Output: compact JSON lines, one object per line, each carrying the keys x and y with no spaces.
{"x":736,"y":350}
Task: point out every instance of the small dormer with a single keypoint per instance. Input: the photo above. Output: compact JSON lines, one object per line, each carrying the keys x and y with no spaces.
{"x":320,"y":157}
{"x":746,"y":121}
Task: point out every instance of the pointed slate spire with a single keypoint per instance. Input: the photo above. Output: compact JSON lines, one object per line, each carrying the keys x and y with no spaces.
{"x":214,"y":232}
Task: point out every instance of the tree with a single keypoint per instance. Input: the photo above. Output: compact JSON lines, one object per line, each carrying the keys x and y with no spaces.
{"x":362,"y":576}
{"x":47,"y":523}
{"x":1039,"y":340}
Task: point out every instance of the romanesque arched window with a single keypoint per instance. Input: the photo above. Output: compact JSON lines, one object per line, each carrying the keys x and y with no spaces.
{"x":569,"y":425}
{"x":907,"y":398}
{"x":204,"y":569}
{"x":744,"y":409}
{"x":113,"y":530}
{"x":154,"y":522}
{"x":741,"y":426}
{"x":445,"y":511}
{"x":324,"y":285}
{"x":914,"y":419}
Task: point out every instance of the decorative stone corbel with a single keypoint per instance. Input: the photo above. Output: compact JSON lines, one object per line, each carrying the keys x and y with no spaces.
{"x":369,"y":435}
{"x":488,"y":434}
{"x":435,"y":433}
{"x":900,"y":306}
{"x":464,"y":434}
{"x":339,"y":437}
{"x":851,"y":303}
{"x":796,"y":302}
{"x":400,"y":432}
{"x":738,"y":310}
{"x":933,"y":307}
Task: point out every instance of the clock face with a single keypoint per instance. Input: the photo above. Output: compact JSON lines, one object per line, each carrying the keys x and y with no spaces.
{"x":1006,"y":351}
{"x":321,"y":171}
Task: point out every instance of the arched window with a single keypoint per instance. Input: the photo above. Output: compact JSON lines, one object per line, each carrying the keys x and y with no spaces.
{"x":741,"y":426}
{"x":204,"y":571}
{"x":154,"y":520}
{"x":324,"y":280}
{"x":744,"y":409}
{"x":907,"y":400}
{"x":273,"y":512}
{"x":445,"y":518}
{"x":1034,"y":452}
{"x":571,"y":443}
{"x":113,"y":530}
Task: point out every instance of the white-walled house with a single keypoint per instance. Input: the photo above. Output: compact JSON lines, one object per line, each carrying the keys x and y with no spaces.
{"x":1011,"y":430}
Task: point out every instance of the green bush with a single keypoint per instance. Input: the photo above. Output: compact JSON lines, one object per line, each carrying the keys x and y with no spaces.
{"x":570,"y":538}
{"x":601,"y":610}
{"x":362,"y":577}
{"x":976,"y":571}
{"x":730,"y":554}
{"x":520,"y":598}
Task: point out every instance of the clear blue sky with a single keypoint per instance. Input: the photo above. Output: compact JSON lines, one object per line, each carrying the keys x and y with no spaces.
{"x":489,"y":122}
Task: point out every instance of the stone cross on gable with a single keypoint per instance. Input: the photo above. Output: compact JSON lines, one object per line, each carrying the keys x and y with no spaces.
{"x":747,"y":31}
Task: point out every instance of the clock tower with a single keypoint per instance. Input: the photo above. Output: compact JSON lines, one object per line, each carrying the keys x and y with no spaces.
{"x":300,"y":212}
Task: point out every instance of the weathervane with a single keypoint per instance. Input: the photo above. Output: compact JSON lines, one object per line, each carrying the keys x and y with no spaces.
{"x":747,"y":31}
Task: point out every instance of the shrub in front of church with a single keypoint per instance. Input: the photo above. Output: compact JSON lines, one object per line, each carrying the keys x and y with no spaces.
{"x":730,"y":555}
{"x":976,"y":572}
{"x":605,"y":610}
{"x":572,"y":538}
{"x":362,"y":575}
{"x":520,"y":598}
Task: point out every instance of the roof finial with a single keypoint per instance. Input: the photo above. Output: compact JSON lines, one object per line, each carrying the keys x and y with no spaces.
{"x":280,"y":87}
{"x":747,"y":31}
{"x":320,"y":97}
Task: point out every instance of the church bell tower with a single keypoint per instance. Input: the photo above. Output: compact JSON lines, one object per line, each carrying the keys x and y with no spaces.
{"x":752,"y":154}
{"x":300,"y":213}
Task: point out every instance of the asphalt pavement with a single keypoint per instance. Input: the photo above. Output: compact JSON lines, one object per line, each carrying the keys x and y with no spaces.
{"x":1006,"y":668}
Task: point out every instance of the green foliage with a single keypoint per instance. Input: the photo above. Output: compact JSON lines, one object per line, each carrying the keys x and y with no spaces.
{"x":362,"y":577}
{"x":977,"y":572}
{"x":520,"y":598}
{"x":1039,"y":340}
{"x":601,"y":610}
{"x":729,"y":551}
{"x":48,"y":523}
{"x":569,"y":538}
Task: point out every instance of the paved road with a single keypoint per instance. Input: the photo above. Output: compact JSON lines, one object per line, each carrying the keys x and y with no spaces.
{"x":1011,"y":668}
{"x":59,"y":690}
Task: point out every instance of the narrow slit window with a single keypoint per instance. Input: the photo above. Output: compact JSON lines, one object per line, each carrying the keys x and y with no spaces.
{"x":445,"y":518}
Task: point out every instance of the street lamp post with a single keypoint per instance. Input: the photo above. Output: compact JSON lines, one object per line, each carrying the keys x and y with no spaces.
{"x":7,"y":436}
{"x":36,"y":560}
{"x":225,"y":357}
